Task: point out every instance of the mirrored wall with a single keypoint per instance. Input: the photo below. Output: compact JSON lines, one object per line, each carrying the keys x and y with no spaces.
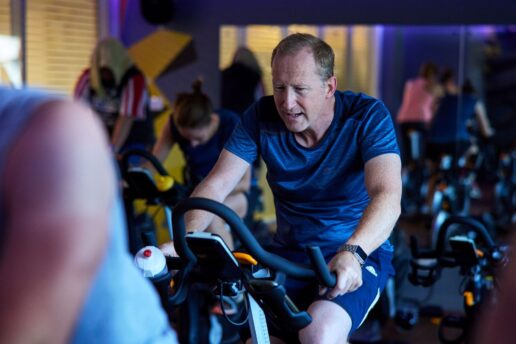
{"x":490,"y":63}
{"x":379,"y":59}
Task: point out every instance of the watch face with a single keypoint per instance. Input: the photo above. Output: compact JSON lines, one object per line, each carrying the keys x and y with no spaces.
{"x":361,"y":253}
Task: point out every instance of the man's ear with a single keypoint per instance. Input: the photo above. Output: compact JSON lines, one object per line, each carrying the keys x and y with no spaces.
{"x":331,"y":86}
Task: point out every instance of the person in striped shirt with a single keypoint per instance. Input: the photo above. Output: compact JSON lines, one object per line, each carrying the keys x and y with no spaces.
{"x":117,"y":91}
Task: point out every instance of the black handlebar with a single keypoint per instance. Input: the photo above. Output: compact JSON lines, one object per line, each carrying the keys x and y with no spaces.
{"x":275,"y":262}
{"x":427,"y":272}
{"x":494,"y":254}
{"x":324,"y":276}
{"x":124,"y":162}
{"x":472,"y":224}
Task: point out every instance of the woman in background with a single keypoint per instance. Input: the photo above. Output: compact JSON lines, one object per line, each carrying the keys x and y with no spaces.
{"x":448,"y":132}
{"x":201,"y":133}
{"x":420,"y":99}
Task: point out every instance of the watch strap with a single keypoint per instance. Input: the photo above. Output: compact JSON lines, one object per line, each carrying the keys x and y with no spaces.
{"x":357,"y":251}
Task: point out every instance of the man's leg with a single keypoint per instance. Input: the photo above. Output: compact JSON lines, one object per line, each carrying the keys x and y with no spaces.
{"x":330,"y":324}
{"x":333,"y":321}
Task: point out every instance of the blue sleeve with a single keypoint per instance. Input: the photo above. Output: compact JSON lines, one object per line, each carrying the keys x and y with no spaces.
{"x":244,"y":140}
{"x":229,"y":122}
{"x":376,"y":133}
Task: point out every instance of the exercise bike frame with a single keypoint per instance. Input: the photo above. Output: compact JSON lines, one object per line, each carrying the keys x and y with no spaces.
{"x":478,"y":267}
{"x":266,"y":293}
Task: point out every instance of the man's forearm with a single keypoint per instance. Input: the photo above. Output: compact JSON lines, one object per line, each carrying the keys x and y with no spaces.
{"x":198,"y":220}
{"x":377,"y":222}
{"x":221,"y":180}
{"x":245,"y":183}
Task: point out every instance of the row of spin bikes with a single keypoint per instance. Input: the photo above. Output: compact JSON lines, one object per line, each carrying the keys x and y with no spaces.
{"x":248,"y":283}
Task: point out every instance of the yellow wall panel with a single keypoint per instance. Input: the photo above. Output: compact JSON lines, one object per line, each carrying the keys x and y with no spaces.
{"x":154,"y":53}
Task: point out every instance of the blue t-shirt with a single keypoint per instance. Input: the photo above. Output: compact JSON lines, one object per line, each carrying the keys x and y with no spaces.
{"x":449,"y":124}
{"x":201,"y":158}
{"x":319,"y":192}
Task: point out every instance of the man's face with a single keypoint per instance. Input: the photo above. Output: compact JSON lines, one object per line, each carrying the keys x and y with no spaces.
{"x":299,"y":93}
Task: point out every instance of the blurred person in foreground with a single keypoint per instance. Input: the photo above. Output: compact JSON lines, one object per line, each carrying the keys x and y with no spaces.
{"x":67,"y":276}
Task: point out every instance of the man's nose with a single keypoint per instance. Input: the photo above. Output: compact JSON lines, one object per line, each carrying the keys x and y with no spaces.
{"x":290,"y":99}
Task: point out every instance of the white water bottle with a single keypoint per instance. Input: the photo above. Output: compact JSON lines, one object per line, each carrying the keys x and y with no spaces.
{"x":151,"y":262}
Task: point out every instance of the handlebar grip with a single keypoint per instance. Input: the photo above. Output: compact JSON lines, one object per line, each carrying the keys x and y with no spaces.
{"x":324,"y":275}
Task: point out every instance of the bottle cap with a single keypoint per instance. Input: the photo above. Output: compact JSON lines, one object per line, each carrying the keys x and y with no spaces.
{"x":151,"y":262}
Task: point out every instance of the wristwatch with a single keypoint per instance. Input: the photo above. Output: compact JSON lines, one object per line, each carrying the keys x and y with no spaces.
{"x":357,"y":251}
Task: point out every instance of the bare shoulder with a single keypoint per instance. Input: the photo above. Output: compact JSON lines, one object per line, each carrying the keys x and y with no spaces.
{"x":58,"y":189}
{"x":64,"y":120}
{"x":60,"y":162}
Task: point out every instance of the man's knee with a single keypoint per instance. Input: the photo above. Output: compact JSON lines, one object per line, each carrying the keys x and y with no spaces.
{"x":330,"y":324}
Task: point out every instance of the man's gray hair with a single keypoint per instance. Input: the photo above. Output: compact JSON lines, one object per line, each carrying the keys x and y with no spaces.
{"x":323,"y":53}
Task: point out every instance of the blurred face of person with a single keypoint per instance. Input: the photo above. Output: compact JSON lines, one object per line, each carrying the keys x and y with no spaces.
{"x":107,"y":78}
{"x":302,"y":98}
{"x":196,"y":136}
{"x":200,"y":135}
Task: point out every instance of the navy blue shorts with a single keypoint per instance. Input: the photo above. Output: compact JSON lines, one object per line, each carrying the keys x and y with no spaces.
{"x":375,"y":273}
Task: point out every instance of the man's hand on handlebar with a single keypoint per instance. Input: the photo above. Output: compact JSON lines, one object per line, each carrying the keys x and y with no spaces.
{"x":349,"y":275}
{"x":168,"y":249}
